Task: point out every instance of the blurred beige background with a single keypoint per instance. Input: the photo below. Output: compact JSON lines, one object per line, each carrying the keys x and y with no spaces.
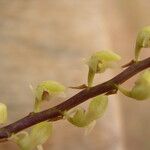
{"x":42,"y":40}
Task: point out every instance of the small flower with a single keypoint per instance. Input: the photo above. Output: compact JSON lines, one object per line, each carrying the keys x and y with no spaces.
{"x":141,"y":89}
{"x":51,"y":87}
{"x":45,"y":91}
{"x":96,"y":109}
{"x":99,"y":62}
{"x":3,"y":113}
{"x":142,"y":41}
{"x":37,"y":137}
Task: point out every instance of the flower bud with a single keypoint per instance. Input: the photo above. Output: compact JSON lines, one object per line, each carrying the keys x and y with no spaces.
{"x":96,"y":109}
{"x":37,"y":137}
{"x":3,"y":113}
{"x":142,"y":41}
{"x":51,"y":87}
{"x":141,"y":89}
{"x":45,"y":90}
{"x":99,"y":62}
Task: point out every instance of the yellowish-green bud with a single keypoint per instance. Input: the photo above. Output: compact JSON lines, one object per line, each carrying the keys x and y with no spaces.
{"x":45,"y":91}
{"x":38,"y":136}
{"x":96,"y":109}
{"x":141,"y":89}
{"x":3,"y":113}
{"x":142,"y":41}
{"x":79,"y":118}
{"x":51,"y":87}
{"x":99,"y":62}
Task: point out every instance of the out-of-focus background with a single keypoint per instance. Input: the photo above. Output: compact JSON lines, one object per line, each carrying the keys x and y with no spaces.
{"x":42,"y":40}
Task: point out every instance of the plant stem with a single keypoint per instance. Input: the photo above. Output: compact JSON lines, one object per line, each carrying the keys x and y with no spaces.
{"x":55,"y":113}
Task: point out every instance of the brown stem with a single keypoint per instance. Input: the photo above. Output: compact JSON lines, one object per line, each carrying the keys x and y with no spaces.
{"x":128,"y":64}
{"x":55,"y":113}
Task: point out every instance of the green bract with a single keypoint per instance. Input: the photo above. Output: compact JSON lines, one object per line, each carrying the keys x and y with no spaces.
{"x":51,"y":87}
{"x":3,"y":113}
{"x":142,"y":41}
{"x":141,"y":89}
{"x":79,"y":118}
{"x":96,"y":108}
{"x":47,"y":89}
{"x":99,"y":62}
{"x":38,"y":136}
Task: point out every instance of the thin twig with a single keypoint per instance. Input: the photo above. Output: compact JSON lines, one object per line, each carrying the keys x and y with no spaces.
{"x":55,"y":113}
{"x":128,"y":64}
